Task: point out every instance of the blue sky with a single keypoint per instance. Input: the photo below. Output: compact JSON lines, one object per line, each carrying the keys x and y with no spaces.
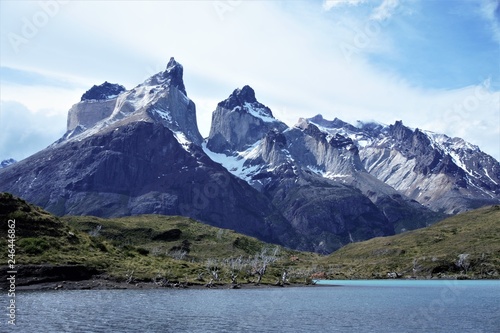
{"x":433,"y":64}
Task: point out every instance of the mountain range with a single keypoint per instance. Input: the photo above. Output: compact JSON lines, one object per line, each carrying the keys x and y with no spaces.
{"x":315,"y":186}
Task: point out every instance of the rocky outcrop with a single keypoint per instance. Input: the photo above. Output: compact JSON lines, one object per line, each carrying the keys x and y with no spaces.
{"x":335,"y":155}
{"x":104,"y":91}
{"x":87,"y":113}
{"x":7,"y":162}
{"x":95,"y":105}
{"x":36,"y":274}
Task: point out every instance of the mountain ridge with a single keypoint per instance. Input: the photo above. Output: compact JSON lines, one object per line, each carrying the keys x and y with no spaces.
{"x":445,"y":174}
{"x":315,"y":186}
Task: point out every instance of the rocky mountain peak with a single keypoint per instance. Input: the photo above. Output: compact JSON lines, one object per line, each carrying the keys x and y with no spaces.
{"x":239,"y":122}
{"x":103,"y":92}
{"x":160,"y":99}
{"x":239,"y":97}
{"x":399,"y":131}
{"x":174,"y":75}
{"x":335,"y":123}
{"x":310,"y":129}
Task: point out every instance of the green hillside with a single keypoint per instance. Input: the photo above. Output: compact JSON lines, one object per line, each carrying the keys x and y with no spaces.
{"x":463,"y":246}
{"x":173,"y":249}
{"x":144,"y":248}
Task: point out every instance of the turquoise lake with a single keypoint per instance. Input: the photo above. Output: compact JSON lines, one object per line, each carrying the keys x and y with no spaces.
{"x":344,"y":306}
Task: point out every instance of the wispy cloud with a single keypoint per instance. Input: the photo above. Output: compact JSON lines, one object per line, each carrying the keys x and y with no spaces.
{"x":9,"y":75}
{"x":329,"y":4}
{"x":382,"y":12}
{"x":490,"y":10}
{"x":385,"y":10}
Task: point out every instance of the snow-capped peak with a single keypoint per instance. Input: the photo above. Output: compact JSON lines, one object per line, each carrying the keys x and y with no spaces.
{"x":161,"y":98}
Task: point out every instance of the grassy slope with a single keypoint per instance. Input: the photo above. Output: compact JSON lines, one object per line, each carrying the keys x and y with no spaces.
{"x":180,"y":249}
{"x":432,"y":251}
{"x":145,"y":247}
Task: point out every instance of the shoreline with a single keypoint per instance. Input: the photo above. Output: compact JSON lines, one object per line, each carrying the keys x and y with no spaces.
{"x":108,"y":284}
{"x":104,"y":284}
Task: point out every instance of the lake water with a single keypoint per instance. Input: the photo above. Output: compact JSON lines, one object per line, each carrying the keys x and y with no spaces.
{"x":353,"y":306}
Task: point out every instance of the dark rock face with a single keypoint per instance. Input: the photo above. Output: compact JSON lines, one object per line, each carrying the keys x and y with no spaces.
{"x":174,"y":74}
{"x":239,"y":97}
{"x":343,"y":179}
{"x":329,"y":214}
{"x":141,"y":168}
{"x":104,"y":91}
{"x":32,"y":274}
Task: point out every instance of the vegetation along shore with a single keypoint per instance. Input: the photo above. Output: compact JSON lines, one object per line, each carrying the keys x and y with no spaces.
{"x":154,"y":251}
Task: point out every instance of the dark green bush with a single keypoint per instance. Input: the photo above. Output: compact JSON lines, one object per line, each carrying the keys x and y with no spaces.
{"x":33,"y":245}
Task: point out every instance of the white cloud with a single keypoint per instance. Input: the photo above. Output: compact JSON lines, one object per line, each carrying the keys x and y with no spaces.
{"x":329,"y":4}
{"x":291,"y":58}
{"x":385,"y":10}
{"x":42,"y":99}
{"x":25,"y":132}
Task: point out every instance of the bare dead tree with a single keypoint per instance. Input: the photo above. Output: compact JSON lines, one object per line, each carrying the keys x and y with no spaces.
{"x":178,"y":254}
{"x":463,"y":262}
{"x":233,"y":278}
{"x":213,"y":269}
{"x":260,"y":263}
{"x":96,"y":231}
{"x":130,"y":276}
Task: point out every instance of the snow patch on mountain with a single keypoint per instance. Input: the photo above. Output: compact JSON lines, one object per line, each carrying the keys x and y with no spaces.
{"x":328,"y":175}
{"x":259,"y":112}
{"x":239,"y":163}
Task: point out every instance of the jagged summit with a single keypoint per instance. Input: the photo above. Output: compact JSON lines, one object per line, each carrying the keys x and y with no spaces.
{"x":335,"y":123}
{"x":239,"y":97}
{"x":102,"y":92}
{"x":171,"y":76}
{"x":244,"y":100}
